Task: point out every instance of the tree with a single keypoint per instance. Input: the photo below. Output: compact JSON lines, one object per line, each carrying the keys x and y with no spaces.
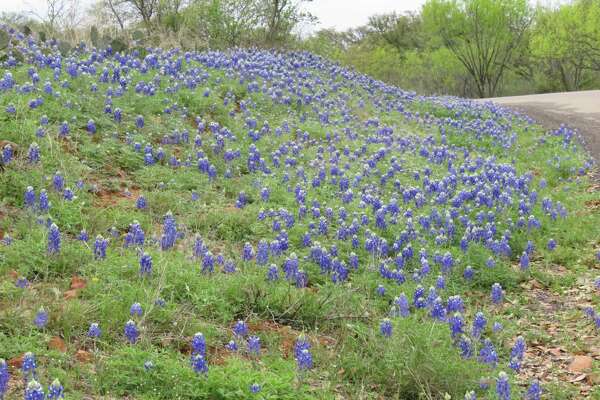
{"x":280,"y":17}
{"x":566,"y":43}
{"x":403,"y":32}
{"x":483,"y":34}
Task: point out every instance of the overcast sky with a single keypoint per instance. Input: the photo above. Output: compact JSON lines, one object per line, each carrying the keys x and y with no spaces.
{"x":339,"y":14}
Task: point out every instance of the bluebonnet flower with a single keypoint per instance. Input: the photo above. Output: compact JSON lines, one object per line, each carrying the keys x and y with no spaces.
{"x":169,"y":232}
{"x":199,"y":364}
{"x":301,"y":278}
{"x":131,"y":331}
{"x":455,"y":304}
{"x":273,"y":273}
{"x":7,"y":154}
{"x":497,"y":327}
{"x":139,"y":122}
{"x":160,"y":302}
{"x":29,"y":197}
{"x":479,"y":323}
{"x":33,"y":154}
{"x":255,"y":388}
{"x":145,"y":264}
{"x":64,"y":129}
{"x":94,"y":331}
{"x":208,"y":263}
{"x":304,"y":360}
{"x":380,"y":290}
{"x":262,"y":252}
{"x":22,"y":283}
{"x":488,"y":354}
{"x":44,"y":203}
{"x":136,"y":310}
{"x":503,"y":386}
{"x":524,"y":261}
{"x":58,"y":181}
{"x":140,"y":203}
{"x":385,"y":327}
{"x":83,"y":236}
{"x":497,"y":293}
{"x":199,"y":344}
{"x":55,"y":391}
{"x":438,"y":311}
{"x":402,"y":305}
{"x":229,"y":267}
{"x":468,"y":273}
{"x":248,"y":252}
{"x":91,"y":127}
{"x":551,"y":244}
{"x":466,"y":347}
{"x":240,"y":328}
{"x":534,"y":392}
{"x":41,"y":318}
{"x":10,"y":109}
{"x":232,"y":346}
{"x":4,"y":377}
{"x":100,"y":245}
{"x":29,"y":366}
{"x":517,"y":353}
{"x":253,"y":345}
{"x":241,"y":200}
{"x":456,"y":323}
{"x":68,"y":194}
{"x":34,"y":391}
{"x":53,"y":239}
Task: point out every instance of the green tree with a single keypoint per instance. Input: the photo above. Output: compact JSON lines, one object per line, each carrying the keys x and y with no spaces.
{"x":484,"y":35}
{"x":566,"y":43}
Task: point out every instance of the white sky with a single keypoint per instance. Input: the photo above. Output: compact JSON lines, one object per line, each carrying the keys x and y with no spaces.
{"x":339,"y":14}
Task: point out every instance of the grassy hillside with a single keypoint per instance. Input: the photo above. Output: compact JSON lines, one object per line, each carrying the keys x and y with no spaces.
{"x":372,"y":242}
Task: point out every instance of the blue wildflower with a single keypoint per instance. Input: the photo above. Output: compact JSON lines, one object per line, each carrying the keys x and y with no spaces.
{"x":255,"y":388}
{"x":131,"y":332}
{"x":199,"y":344}
{"x":253,"y":345}
{"x":503,"y":386}
{"x":534,"y":392}
{"x":4,"y":377}
{"x":94,"y":331}
{"x":53,"y":239}
{"x":145,"y":264}
{"x":55,"y":391}
{"x":136,"y":310}
{"x":41,"y":318}
{"x":199,"y":364}
{"x":385,"y":327}
{"x":497,"y":294}
{"x":34,"y":391}
{"x":240,"y":328}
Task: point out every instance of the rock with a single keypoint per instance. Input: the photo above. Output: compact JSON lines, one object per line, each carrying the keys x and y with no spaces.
{"x":580,"y":363}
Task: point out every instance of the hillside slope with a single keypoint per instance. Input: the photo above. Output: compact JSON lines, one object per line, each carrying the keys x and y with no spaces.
{"x":328,"y":235}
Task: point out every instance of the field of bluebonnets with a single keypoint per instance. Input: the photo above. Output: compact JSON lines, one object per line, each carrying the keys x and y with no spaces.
{"x":270,"y":225}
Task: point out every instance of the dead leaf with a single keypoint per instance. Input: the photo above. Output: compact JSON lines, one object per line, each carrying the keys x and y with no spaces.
{"x":14,"y":274}
{"x":557,"y":352}
{"x":70,"y":294}
{"x":83,"y":356}
{"x":580,"y":363}
{"x":16,"y":362}
{"x":578,"y":378}
{"x":78,"y":283}
{"x":57,"y":343}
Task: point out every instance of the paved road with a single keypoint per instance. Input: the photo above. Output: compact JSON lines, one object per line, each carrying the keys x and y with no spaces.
{"x":579,"y":110}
